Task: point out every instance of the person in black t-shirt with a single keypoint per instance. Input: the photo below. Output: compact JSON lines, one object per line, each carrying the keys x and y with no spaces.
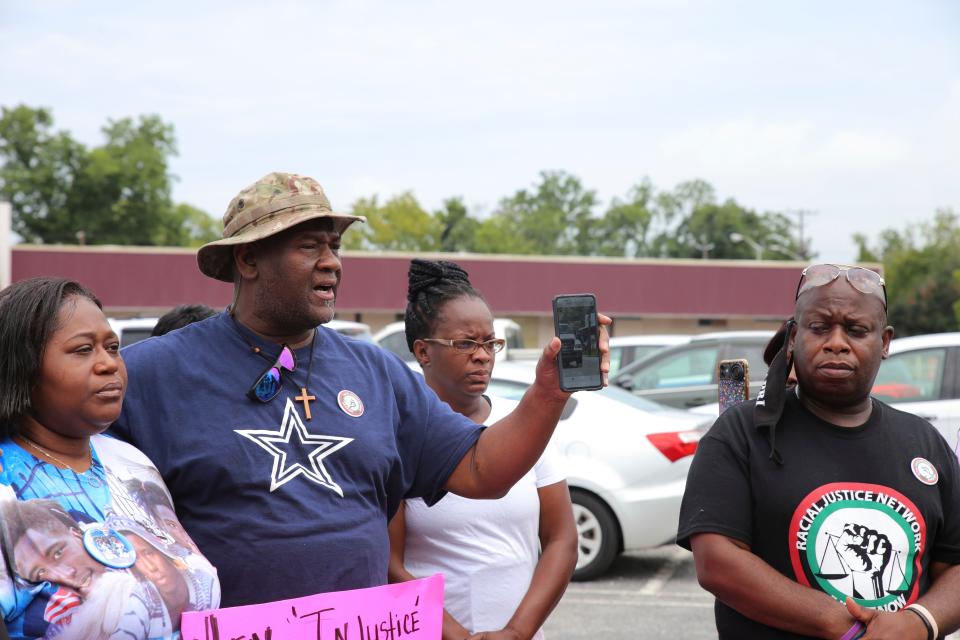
{"x":818,"y":495}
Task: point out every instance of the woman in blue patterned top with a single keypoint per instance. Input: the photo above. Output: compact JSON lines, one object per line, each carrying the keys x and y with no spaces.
{"x":86,"y":554}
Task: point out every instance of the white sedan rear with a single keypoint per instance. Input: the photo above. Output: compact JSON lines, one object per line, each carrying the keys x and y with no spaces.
{"x":627,"y":461}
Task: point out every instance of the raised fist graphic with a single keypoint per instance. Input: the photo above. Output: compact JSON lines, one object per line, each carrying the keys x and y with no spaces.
{"x":867,"y":553}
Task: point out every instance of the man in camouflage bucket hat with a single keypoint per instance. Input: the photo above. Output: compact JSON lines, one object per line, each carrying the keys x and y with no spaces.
{"x":287,"y":446}
{"x":270,"y":205}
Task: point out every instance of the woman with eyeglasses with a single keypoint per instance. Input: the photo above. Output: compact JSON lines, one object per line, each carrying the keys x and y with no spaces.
{"x":71,"y":566}
{"x":499,"y":585}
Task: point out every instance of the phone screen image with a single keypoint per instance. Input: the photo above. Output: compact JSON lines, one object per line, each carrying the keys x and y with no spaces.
{"x":733,"y":383}
{"x":575,"y":322}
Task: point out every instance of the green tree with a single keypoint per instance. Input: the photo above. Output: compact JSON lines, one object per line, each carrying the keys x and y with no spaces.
{"x":921,"y":266}
{"x":735,"y":232}
{"x":40,"y":169}
{"x":498,"y":234}
{"x":625,"y":228}
{"x":187,"y":226}
{"x":116,"y":193}
{"x":675,"y":236}
{"x":555,"y":217}
{"x":458,"y":228}
{"x":688,"y":222}
{"x":400,"y":224}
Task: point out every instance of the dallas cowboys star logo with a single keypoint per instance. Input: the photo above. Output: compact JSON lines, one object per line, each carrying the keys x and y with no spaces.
{"x":307,"y":452}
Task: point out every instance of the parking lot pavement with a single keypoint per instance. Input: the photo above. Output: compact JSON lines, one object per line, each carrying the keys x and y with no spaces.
{"x":651,"y":594}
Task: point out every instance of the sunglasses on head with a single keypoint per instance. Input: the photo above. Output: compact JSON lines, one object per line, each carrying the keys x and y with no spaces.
{"x":863,"y":280}
{"x":268,"y":384}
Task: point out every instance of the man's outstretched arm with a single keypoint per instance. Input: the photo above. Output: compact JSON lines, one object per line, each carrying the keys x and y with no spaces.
{"x":510,"y":447}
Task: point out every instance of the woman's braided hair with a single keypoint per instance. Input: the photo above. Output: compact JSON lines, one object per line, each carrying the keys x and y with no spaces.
{"x":430,"y":285}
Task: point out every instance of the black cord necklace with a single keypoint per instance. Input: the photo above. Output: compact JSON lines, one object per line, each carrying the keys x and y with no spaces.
{"x":304,"y":396}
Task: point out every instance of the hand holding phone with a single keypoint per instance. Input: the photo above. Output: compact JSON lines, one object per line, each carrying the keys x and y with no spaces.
{"x":733,"y":383}
{"x":576,"y":324}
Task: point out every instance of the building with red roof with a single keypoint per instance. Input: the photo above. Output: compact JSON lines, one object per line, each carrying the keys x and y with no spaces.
{"x":642,"y":295}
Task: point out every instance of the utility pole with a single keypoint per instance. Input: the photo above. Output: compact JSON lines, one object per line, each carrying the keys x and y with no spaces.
{"x":801,"y":215}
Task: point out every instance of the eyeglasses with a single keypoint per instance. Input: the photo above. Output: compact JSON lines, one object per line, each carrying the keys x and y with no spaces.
{"x":268,"y":384}
{"x":863,"y":280}
{"x":468,"y":347}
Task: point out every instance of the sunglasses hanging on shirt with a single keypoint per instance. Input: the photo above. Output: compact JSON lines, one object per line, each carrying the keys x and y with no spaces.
{"x":268,"y":384}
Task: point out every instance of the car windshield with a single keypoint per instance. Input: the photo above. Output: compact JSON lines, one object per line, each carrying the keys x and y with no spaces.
{"x":642,"y":351}
{"x":911,"y":376}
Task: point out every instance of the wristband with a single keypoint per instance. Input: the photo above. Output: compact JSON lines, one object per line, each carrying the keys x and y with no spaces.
{"x":854,"y":632}
{"x":926,"y":624}
{"x":933,"y":632}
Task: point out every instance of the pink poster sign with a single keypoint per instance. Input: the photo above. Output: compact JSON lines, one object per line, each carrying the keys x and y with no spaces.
{"x":405,"y":611}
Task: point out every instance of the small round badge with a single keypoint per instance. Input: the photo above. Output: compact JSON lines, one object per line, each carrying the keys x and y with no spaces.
{"x":109,"y":547}
{"x":924,"y":470}
{"x":350,"y":403}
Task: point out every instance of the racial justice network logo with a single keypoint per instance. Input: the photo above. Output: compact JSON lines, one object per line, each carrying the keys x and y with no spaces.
{"x":859,"y":540}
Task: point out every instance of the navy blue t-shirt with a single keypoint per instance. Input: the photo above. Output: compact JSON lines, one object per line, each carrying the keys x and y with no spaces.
{"x":284,"y":506}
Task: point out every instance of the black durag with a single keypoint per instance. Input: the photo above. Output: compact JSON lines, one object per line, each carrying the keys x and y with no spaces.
{"x":773,"y":394}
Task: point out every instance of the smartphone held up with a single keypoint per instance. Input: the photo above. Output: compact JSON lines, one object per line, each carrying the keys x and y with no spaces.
{"x":733,"y":383}
{"x":576,"y":324}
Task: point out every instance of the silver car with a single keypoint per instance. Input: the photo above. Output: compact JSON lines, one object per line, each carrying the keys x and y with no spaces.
{"x":685,"y":375}
{"x":921,"y":376}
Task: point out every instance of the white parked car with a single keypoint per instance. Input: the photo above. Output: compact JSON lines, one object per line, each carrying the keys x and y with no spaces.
{"x":625,"y":350}
{"x":358,"y":330}
{"x":626,"y":460}
{"x":393,"y":338}
{"x":131,"y":330}
{"x":921,"y":376}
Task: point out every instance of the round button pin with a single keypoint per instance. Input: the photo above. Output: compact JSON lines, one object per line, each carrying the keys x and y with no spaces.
{"x":924,"y":471}
{"x":109,"y":547}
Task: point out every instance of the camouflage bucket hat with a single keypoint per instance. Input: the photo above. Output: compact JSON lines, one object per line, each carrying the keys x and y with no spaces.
{"x":270,"y":205}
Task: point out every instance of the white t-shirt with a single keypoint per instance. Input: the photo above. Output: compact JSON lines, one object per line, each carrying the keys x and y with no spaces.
{"x":487,"y":550}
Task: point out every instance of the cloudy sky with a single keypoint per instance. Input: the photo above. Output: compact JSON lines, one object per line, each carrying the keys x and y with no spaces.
{"x":850,"y":109}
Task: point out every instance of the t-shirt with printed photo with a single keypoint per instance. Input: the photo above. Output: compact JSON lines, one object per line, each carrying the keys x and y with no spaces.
{"x":97,"y":554}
